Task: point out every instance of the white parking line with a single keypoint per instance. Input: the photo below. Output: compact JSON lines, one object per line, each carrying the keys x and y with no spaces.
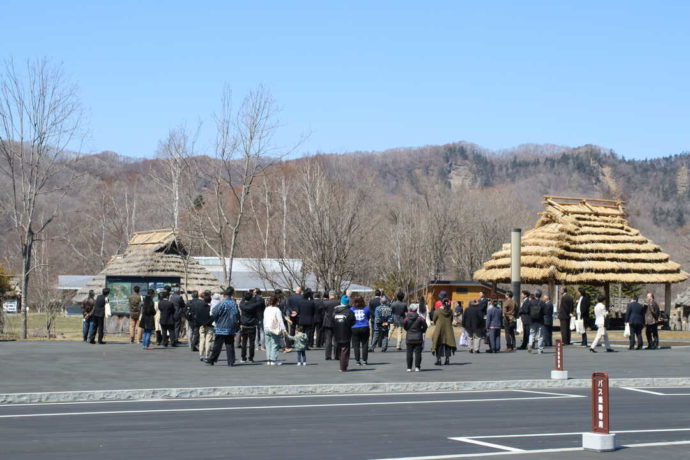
{"x":286,"y":406}
{"x":488,"y":444}
{"x":549,"y":393}
{"x":656,"y":393}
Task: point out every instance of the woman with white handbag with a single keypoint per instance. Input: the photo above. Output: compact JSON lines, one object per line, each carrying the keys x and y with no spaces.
{"x":600,"y":313}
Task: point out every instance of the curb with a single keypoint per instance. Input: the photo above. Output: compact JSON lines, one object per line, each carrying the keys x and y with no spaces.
{"x":316,"y":389}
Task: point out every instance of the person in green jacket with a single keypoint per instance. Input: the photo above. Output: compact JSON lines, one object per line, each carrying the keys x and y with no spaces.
{"x":299,"y":341}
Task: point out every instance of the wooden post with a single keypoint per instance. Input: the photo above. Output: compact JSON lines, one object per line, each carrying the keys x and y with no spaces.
{"x":552,"y":291}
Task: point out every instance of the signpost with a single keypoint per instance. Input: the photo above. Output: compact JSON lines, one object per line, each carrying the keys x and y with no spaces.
{"x":559,"y":373}
{"x":600,"y":440}
{"x":10,"y":306}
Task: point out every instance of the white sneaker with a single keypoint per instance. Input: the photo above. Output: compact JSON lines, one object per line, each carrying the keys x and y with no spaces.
{"x":278,"y":363}
{"x":269,"y":363}
{"x":416,"y":369}
{"x":409,"y":370}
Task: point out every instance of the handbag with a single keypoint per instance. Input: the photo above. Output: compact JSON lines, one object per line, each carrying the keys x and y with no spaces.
{"x":572,"y":323}
{"x":580,"y":326}
{"x":108,"y":311}
{"x":626,"y":332}
{"x":464,"y":340}
{"x":520,"y":329}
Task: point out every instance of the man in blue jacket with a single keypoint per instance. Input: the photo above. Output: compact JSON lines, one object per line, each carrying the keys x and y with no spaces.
{"x":226,"y":315}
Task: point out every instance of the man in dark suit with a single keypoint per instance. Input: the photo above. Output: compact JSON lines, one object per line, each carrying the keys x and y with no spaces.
{"x":292,"y":308}
{"x":565,"y":311}
{"x":582,"y":311}
{"x":548,"y":322}
{"x":523,"y":313}
{"x":180,"y":308}
{"x":98,"y":315}
{"x":167,"y":319}
{"x":196,"y":304}
{"x":328,"y":324}
{"x":634,"y":316}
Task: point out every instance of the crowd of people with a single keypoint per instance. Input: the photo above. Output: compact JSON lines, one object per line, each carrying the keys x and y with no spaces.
{"x":347,"y":325}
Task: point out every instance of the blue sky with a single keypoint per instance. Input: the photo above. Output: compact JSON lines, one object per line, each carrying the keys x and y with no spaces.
{"x":375,"y":75}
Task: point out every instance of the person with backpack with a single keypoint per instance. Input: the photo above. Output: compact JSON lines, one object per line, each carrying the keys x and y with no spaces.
{"x":203,"y":323}
{"x":415,"y":325}
{"x":343,"y":321}
{"x":536,"y":327}
{"x":274,"y":328}
{"x":249,"y":322}
{"x":383,"y":317}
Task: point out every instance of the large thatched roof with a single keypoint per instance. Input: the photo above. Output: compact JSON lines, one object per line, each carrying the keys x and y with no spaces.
{"x":584,"y":241}
{"x":154,"y":253}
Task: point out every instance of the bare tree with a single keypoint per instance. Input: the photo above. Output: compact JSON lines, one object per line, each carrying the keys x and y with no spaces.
{"x":40,"y":117}
{"x":244,"y":149}
{"x":174,"y":152}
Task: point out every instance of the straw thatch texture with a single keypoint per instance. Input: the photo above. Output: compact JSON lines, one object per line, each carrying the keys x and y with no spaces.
{"x":584,"y":241}
{"x":154,"y":253}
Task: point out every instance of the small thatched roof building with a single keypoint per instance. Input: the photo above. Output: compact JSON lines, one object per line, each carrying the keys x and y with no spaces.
{"x":584,"y":241}
{"x":154,"y":254}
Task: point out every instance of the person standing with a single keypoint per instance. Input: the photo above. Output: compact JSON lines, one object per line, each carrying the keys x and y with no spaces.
{"x":260,"y":339}
{"x":360,"y":330}
{"x":651,"y":322}
{"x":398,"y":309}
{"x":343,"y":321}
{"x":249,"y":321}
{"x":86,"y":311}
{"x":536,"y":326}
{"x":548,"y":322}
{"x":98,"y":315}
{"x":203,"y":322}
{"x":415,"y":325}
{"x":600,"y":314}
{"x":473,"y":323}
{"x":180,"y":308}
{"x":147,"y":321}
{"x":494,"y":319}
{"x":327,"y":325}
{"x":195,"y":305}
{"x":383,"y":316}
{"x":509,"y":321}
{"x":292,"y":309}
{"x":227,"y":318}
{"x":582,"y":312}
{"x":374,"y":303}
{"x":305,"y":314}
{"x":443,"y":343}
{"x":166,"y":310}
{"x":300,"y":340}
{"x":134,"y":312}
{"x":565,"y":312}
{"x":318,"y":319}
{"x":274,"y":328}
{"x":523,"y":313}
{"x":635,"y":317}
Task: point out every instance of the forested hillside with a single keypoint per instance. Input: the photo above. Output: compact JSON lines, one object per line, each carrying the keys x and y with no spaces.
{"x":392,"y":218}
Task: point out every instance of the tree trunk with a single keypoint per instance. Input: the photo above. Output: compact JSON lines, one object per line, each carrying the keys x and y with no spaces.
{"x":26,"y":268}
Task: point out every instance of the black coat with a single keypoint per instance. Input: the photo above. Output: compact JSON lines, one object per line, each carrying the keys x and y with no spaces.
{"x":565,"y":308}
{"x":99,"y":306}
{"x":523,"y":313}
{"x":249,"y":312}
{"x":473,"y":320}
{"x":192,"y":307}
{"x":415,"y":326}
{"x":343,"y":319}
{"x":148,"y":314}
{"x":306,"y":308}
{"x":179,"y":304}
{"x":318,"y":312}
{"x":201,"y":313}
{"x":635,"y":314}
{"x":548,"y":313}
{"x":167,"y":310}
{"x":586,"y":307}
{"x":328,"y":311}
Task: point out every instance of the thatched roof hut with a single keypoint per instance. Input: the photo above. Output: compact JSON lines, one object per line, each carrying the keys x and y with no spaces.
{"x":155,"y":253}
{"x":584,"y":241}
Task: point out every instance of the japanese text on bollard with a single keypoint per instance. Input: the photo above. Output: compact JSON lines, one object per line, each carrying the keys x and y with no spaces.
{"x":600,"y":402}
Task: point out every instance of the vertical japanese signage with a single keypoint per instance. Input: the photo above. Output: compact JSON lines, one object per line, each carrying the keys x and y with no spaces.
{"x":559,"y":355}
{"x":600,"y":402}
